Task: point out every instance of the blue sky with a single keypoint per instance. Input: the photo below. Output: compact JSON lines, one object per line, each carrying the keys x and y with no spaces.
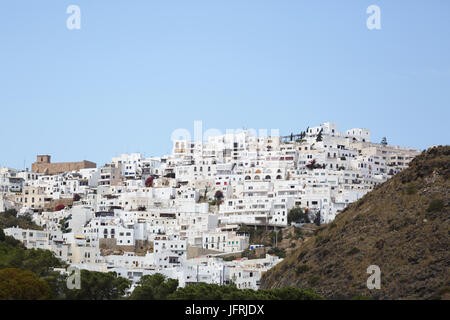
{"x":138,"y":70}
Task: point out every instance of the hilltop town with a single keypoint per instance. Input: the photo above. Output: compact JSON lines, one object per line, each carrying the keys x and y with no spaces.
{"x":188,"y":215}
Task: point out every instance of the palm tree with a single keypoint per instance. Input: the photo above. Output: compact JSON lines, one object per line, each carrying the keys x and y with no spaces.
{"x":218,"y":196}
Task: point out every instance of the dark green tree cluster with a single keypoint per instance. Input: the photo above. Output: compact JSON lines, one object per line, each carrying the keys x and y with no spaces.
{"x":297,"y":215}
{"x":99,"y":286}
{"x":158,"y":287}
{"x":203,"y":291}
{"x":281,"y":253}
{"x":154,"y":287}
{"x":40,"y":263}
{"x":14,"y":255}
{"x":63,"y":225}
{"x":9,"y":219}
{"x":17,"y":284}
{"x":28,"y":274}
{"x":255,"y":234}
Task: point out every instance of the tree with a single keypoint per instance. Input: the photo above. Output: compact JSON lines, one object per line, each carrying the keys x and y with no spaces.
{"x":384,"y":141}
{"x":319,"y":136}
{"x":2,"y":235}
{"x":99,"y":286}
{"x":41,"y":262}
{"x":154,"y":287}
{"x":218,"y":196}
{"x":63,"y":225}
{"x":281,"y":253}
{"x":57,"y":283}
{"x":204,"y":291}
{"x":16,"y":284}
{"x":297,"y":215}
{"x":317,"y":220}
{"x":9,"y":219}
{"x":14,"y":255}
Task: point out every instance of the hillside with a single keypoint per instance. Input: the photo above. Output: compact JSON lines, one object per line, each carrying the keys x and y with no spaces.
{"x":402,"y":226}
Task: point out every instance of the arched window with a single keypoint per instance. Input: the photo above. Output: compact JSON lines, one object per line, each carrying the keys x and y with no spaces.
{"x":279,"y":177}
{"x":248,"y":178}
{"x":257,"y":178}
{"x":267,"y":177}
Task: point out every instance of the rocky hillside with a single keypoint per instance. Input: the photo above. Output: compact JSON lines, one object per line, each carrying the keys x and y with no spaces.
{"x":402,"y":226}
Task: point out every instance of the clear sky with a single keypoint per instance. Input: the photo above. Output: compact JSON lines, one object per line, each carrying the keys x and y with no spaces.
{"x":139,"y":69}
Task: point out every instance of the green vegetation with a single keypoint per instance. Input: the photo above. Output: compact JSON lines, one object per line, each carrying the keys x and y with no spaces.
{"x":302,"y":268}
{"x":17,"y":284}
{"x":28,"y":274}
{"x":63,"y":225}
{"x":35,"y":266}
{"x":353,"y":251}
{"x":203,"y":291}
{"x":229,"y":258}
{"x":297,"y":215}
{"x":402,"y":222}
{"x":99,"y":286}
{"x":9,"y":219}
{"x":276,"y":236}
{"x":278,"y":252}
{"x":313,"y":280}
{"x":14,"y":255}
{"x":154,"y":287}
{"x":256,"y":235}
{"x":297,"y":233}
{"x":412,"y":189}
{"x":436,"y":205}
